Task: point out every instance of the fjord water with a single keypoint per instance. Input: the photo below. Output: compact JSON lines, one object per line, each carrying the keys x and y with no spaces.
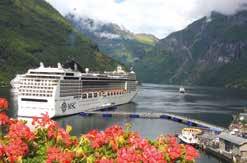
{"x":213,"y":105}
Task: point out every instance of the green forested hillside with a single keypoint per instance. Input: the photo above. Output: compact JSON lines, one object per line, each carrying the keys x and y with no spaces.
{"x":211,"y":51}
{"x":32,"y":31}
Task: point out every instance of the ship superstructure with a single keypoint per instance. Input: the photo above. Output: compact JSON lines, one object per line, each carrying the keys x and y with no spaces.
{"x":64,"y":91}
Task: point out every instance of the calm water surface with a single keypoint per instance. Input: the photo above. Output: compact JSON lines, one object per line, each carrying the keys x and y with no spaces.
{"x":213,"y":105}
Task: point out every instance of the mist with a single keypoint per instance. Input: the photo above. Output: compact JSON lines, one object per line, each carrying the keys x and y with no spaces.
{"x":226,"y":7}
{"x":157,"y":17}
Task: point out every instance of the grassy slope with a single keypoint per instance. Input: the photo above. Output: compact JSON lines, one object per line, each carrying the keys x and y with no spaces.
{"x":32,"y":31}
{"x":146,"y":39}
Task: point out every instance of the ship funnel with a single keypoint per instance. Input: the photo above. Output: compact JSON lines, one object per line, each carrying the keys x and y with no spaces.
{"x":75,"y":67}
{"x":86,"y":70}
{"x":59,"y":65}
{"x":120,"y":69}
{"x":41,"y":65}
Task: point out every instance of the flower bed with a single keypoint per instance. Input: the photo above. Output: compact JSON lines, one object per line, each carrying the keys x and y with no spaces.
{"x":50,"y":143}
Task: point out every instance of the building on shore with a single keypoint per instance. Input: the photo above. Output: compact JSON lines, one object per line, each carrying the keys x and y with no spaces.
{"x":239,"y":125}
{"x":233,"y":147}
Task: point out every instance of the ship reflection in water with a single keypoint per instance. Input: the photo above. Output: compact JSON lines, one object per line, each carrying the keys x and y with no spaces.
{"x":213,"y":105}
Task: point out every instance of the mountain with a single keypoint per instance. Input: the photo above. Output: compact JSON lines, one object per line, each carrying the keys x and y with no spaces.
{"x":115,"y":41}
{"x":211,"y":51}
{"x":33,"y":31}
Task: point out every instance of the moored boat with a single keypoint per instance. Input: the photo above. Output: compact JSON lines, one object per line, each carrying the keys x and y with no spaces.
{"x":181,"y":90}
{"x":190,"y":135}
{"x":61,"y":91}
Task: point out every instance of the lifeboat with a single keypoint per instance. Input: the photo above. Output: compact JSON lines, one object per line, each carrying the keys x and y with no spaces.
{"x":4,"y":104}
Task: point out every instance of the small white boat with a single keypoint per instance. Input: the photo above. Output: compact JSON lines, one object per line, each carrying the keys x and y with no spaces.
{"x":181,"y":90}
{"x":190,"y":136}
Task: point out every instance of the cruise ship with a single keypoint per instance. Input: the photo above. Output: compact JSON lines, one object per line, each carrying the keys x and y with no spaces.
{"x":61,"y":91}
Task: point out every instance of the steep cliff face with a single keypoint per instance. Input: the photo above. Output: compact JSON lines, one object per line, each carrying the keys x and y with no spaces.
{"x":210,"y":51}
{"x":33,"y":31}
{"x":115,"y":41}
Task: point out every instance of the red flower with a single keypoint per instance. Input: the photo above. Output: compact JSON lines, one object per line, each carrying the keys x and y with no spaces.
{"x":4,"y":104}
{"x":172,"y":140}
{"x":44,"y":121}
{"x":20,"y":130}
{"x":4,"y":119}
{"x":105,"y":160}
{"x":45,"y":118}
{"x":151,"y":154}
{"x":140,"y":150}
{"x":114,"y":131}
{"x":35,"y":120}
{"x":97,"y":138}
{"x":174,"y":151}
{"x":53,"y":131}
{"x":2,"y":151}
{"x":191,"y":153}
{"x":56,"y":155}
{"x":64,"y":136}
{"x":15,"y":149}
{"x":125,"y":155}
{"x":111,"y":145}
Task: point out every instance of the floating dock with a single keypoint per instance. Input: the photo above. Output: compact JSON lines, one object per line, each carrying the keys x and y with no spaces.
{"x":155,"y":115}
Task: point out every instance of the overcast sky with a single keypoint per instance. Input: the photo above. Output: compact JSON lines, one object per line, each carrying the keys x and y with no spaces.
{"x":158,"y":17}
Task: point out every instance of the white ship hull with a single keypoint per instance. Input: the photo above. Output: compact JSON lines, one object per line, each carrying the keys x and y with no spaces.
{"x":69,"y":106}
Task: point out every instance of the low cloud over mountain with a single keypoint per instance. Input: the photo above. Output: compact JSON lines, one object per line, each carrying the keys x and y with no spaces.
{"x":158,"y":17}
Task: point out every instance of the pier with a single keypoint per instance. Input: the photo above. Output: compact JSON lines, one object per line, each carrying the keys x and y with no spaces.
{"x":155,"y":115}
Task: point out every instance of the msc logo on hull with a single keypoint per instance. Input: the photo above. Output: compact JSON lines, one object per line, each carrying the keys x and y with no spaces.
{"x":67,"y":106}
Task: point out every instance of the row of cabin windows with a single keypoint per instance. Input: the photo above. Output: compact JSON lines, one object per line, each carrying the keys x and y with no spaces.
{"x":35,"y":94}
{"x":85,"y":89}
{"x":38,"y":83}
{"x":96,"y":94}
{"x":52,"y":73}
{"x":91,"y":83}
{"x":38,"y":80}
{"x":91,"y":86}
{"x":43,"y":77}
{"x":36,"y":91}
{"x":35,"y":87}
